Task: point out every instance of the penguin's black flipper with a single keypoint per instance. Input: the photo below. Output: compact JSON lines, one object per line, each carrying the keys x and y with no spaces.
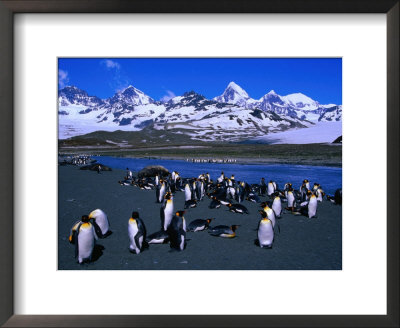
{"x":97,"y":230}
{"x":137,"y":242}
{"x":76,"y":246}
{"x":256,"y":242}
{"x":162,"y":217}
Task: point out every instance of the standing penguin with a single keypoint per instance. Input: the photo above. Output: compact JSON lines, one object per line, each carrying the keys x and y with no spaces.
{"x":290,"y":199}
{"x":188,"y":192}
{"x":309,"y":208}
{"x":83,"y":236}
{"x":319,"y":193}
{"x":265,"y":231}
{"x":304,"y":190}
{"x":277,"y":205}
{"x":166,"y":211}
{"x":270,"y":213}
{"x":263,"y":187}
{"x":137,"y":233}
{"x":100,"y":223}
{"x":177,"y":231}
{"x":271,"y":188}
{"x":160,"y":191}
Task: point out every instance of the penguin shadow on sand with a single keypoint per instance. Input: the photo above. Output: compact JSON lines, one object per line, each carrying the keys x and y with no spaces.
{"x":97,"y":252}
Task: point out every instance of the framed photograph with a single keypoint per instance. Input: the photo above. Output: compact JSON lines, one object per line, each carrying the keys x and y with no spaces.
{"x":190,"y":158}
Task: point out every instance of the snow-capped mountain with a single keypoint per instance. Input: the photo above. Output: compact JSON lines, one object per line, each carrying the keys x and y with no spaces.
{"x":234,"y":94}
{"x":233,"y":116}
{"x":332,"y":114}
{"x":73,"y":96}
{"x":131,"y":96}
{"x":296,"y":105}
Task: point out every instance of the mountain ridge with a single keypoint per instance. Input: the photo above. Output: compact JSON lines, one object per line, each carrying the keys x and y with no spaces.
{"x":232,"y":116}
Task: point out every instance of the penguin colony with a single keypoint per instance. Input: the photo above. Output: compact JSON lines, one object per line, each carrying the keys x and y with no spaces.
{"x":224,"y":192}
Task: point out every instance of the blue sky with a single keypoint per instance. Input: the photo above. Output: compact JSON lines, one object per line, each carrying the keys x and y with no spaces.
{"x":318,"y":78}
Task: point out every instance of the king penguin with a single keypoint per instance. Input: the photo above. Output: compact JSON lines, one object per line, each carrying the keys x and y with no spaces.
{"x":199,"y":225}
{"x":277,"y":205}
{"x":137,"y":233}
{"x":265,"y":231}
{"x":177,"y":231}
{"x":223,"y":231}
{"x":100,"y":223}
{"x":160,"y":191}
{"x":271,"y":188}
{"x":309,"y":208}
{"x":270,"y":213}
{"x":166,"y":211}
{"x":83,"y":236}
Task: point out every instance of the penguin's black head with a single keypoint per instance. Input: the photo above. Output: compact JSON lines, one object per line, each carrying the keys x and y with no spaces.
{"x":85,"y":218}
{"x":263,"y":214}
{"x":180,"y":213}
{"x":209,"y":220}
{"x":234,"y":227}
{"x":135,"y":215}
{"x":263,"y":204}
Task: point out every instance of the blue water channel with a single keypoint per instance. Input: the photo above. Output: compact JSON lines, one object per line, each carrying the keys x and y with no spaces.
{"x":329,"y":177}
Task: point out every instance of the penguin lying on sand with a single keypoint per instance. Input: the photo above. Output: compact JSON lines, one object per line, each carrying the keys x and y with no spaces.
{"x":223,"y":231}
{"x":238,"y":208}
{"x":199,"y":225}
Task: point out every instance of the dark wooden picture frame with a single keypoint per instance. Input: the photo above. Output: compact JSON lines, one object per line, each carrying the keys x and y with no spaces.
{"x":10,"y":7}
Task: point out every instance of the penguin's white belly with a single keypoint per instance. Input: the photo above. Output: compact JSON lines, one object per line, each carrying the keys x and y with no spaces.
{"x":132,"y":231}
{"x":312,"y":208}
{"x":182,"y":243}
{"x":85,"y":243}
{"x":102,"y":222}
{"x":188,"y":194}
{"x":277,"y":207}
{"x":270,"y":189}
{"x":265,"y":234}
{"x":290,"y":199}
{"x":169,"y":209}
{"x":200,"y":228}
{"x":162,"y":193}
{"x":271,"y":216}
{"x":156,"y":241}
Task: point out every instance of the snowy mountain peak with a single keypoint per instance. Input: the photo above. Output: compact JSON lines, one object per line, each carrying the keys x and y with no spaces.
{"x":71,"y":95}
{"x":299,"y":100}
{"x":132,"y":96}
{"x":232,"y":86}
{"x":233,"y":94}
{"x":272,"y":92}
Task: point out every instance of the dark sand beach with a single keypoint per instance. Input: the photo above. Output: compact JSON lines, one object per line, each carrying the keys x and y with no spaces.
{"x":302,"y":244}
